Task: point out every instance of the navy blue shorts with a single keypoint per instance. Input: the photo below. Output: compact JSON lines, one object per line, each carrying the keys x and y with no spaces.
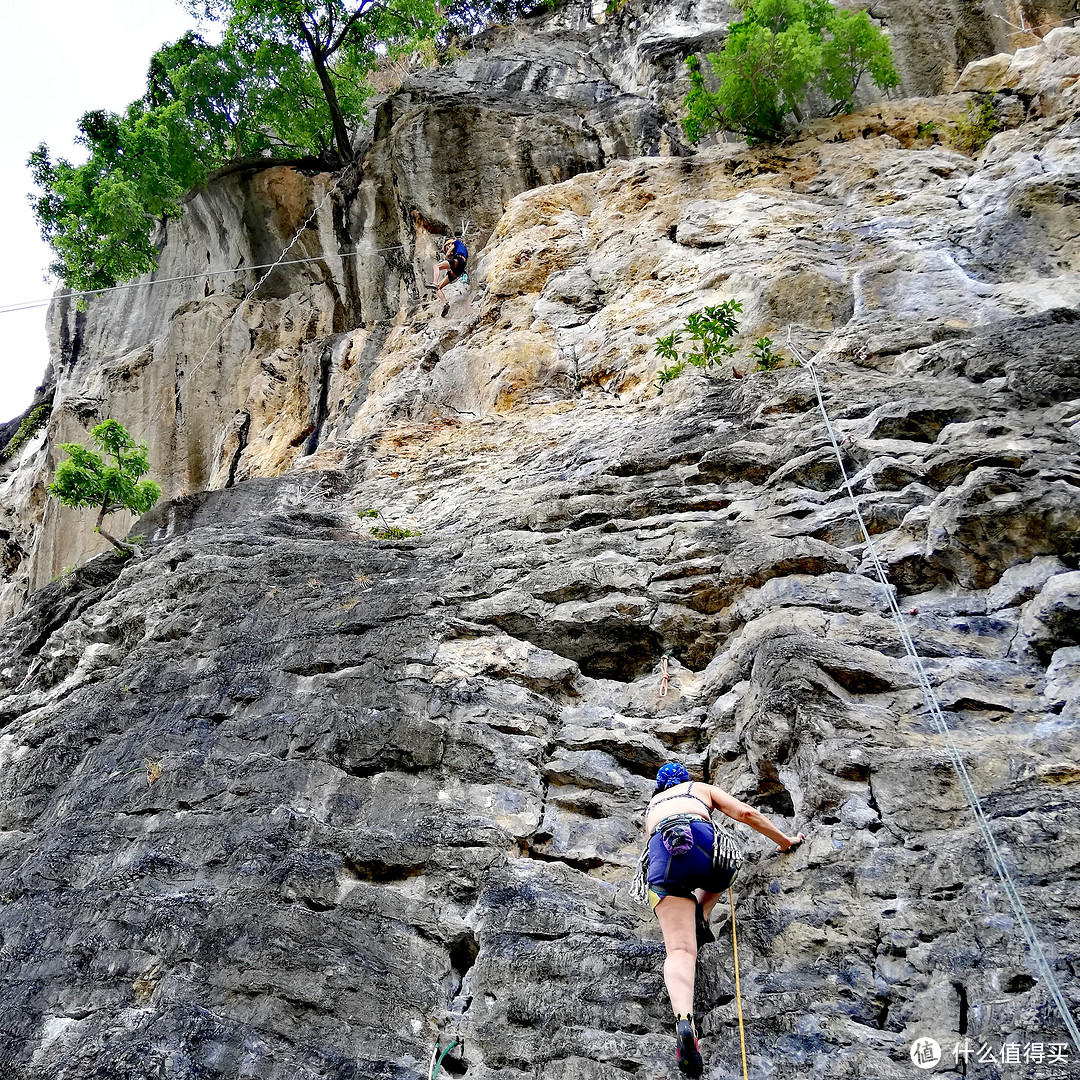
{"x":680,"y":875}
{"x":457,"y":267}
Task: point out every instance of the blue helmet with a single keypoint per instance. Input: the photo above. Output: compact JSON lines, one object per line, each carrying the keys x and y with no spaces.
{"x":671,"y":774}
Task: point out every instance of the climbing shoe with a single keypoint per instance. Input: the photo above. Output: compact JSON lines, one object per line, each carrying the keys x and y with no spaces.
{"x":446,"y":311}
{"x":686,"y":1046}
{"x":705,"y":936}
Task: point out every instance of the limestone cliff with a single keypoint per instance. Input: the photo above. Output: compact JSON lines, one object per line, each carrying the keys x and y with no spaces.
{"x":284,"y":798}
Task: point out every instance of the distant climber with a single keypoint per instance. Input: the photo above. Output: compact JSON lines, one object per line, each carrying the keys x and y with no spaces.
{"x":452,"y":267}
{"x":686,"y":865}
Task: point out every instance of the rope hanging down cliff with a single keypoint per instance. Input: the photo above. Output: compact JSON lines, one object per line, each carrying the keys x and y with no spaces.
{"x":930,"y":699}
{"x":255,"y":288}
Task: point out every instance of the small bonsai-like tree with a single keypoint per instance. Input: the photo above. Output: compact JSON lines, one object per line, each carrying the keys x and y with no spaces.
{"x":87,"y":479}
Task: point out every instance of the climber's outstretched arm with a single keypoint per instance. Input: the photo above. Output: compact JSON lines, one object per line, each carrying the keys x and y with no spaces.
{"x":740,"y":811}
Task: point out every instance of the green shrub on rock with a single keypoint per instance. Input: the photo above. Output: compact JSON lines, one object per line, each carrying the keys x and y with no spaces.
{"x":771,"y":60}
{"x":976,"y":127}
{"x":710,"y":330}
{"x":86,"y":479}
{"x":30,"y":426}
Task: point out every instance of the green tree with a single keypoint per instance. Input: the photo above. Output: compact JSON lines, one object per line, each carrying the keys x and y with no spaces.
{"x":771,"y":60}
{"x":467,"y":17}
{"x":87,"y":479}
{"x":340,"y":39}
{"x":30,"y":426}
{"x":98,"y":217}
{"x":205,"y":105}
{"x":855,"y":47}
{"x":763,"y":356}
{"x":977,"y":126}
{"x":227,"y":102}
{"x":288,"y":80}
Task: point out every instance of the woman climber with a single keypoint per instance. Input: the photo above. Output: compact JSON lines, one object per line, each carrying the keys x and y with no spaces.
{"x":454,"y":266}
{"x":684,"y":868}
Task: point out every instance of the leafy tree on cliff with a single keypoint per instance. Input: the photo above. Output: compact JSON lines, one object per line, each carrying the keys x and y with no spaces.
{"x":97,"y":217}
{"x":86,"y":479}
{"x":777,"y":54}
{"x":340,"y":39}
{"x":287,"y":80}
{"x":205,"y":105}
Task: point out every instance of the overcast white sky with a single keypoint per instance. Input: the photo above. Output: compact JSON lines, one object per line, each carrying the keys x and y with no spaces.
{"x":59,"y":59}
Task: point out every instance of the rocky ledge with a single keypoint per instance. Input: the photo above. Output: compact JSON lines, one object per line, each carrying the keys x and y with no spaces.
{"x":289,"y":798}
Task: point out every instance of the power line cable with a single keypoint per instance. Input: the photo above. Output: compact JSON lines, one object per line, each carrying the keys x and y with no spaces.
{"x":929,"y":697}
{"x":27,"y":304}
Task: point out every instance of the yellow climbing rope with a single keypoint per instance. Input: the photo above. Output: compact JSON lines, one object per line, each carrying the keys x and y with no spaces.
{"x":738,"y":995}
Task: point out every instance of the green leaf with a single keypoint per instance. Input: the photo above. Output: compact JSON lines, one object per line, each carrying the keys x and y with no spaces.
{"x":773,"y":58}
{"x":667,"y":347}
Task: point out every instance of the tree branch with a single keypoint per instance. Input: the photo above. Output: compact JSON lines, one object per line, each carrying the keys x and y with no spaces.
{"x":365,"y":6}
{"x":312,"y":44}
{"x":126,"y":549}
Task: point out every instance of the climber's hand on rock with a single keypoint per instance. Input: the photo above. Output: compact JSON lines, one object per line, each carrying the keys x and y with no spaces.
{"x":793,"y":842}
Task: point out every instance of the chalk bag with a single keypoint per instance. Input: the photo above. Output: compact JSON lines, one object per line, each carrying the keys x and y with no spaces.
{"x":677,"y":837}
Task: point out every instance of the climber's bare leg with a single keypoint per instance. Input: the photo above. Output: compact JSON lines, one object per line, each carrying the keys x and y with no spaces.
{"x":708,"y":902}
{"x":676,"y":915}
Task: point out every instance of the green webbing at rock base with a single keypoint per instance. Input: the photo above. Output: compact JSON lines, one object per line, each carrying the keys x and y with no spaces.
{"x":436,"y":1064}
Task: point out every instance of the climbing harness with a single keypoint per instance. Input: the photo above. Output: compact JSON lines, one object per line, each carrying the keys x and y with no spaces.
{"x":930,"y":699}
{"x":726,"y":859}
{"x":738,"y":992}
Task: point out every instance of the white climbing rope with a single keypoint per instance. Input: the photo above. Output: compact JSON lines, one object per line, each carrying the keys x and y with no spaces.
{"x":929,"y":697}
{"x":254,"y":289}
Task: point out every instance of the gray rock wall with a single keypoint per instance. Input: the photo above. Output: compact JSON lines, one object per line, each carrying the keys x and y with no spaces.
{"x":933,"y":41}
{"x":287,"y":799}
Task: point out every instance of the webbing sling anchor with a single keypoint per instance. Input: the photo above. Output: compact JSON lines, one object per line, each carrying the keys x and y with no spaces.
{"x":437,"y":1057}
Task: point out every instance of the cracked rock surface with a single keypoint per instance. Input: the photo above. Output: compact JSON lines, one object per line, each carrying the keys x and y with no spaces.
{"x":286,"y":798}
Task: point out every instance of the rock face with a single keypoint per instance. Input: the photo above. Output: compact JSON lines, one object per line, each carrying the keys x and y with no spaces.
{"x":525,"y":108}
{"x":290,"y":798}
{"x":934,"y":41}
